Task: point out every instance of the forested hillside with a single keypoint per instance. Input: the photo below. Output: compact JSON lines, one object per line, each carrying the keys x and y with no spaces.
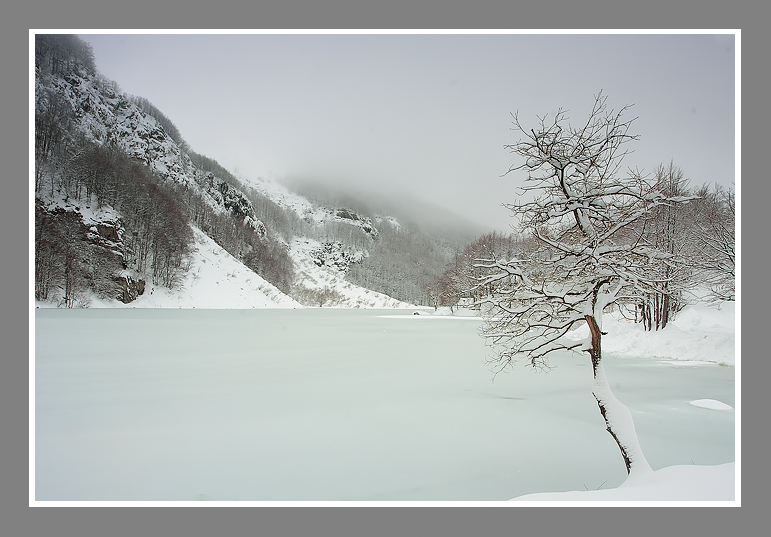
{"x":118,"y":192}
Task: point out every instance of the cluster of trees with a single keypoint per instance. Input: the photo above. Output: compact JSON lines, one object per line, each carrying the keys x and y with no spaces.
{"x":700,"y":235}
{"x":401,"y":264}
{"x":696,"y":231}
{"x":67,"y":263}
{"x":460,"y":279}
{"x":61,"y":54}
{"x":714,"y":237}
{"x":53,"y":138}
{"x":152,"y":237}
{"x":316,"y":297}
{"x":166,"y":124}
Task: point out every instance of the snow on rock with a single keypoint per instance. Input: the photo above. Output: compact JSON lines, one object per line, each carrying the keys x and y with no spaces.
{"x":92,"y":212}
{"x":711,"y":404}
{"x":673,"y":483}
{"x":322,"y":285}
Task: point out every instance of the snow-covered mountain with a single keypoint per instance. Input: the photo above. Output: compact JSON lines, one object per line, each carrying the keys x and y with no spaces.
{"x":275,"y":239}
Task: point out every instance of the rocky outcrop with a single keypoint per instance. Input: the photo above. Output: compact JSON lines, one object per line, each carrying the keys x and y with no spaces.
{"x":130,"y":287}
{"x":335,"y":255}
{"x":351,"y":217}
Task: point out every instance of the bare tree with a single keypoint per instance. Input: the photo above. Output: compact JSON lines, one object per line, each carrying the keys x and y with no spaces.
{"x":667,"y":228}
{"x":591,"y":252}
{"x":714,"y":234}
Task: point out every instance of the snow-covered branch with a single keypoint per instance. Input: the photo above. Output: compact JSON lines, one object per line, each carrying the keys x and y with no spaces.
{"x":592,"y":227}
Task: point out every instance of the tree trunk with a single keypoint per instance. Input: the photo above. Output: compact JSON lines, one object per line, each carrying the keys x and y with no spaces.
{"x":617,"y":416}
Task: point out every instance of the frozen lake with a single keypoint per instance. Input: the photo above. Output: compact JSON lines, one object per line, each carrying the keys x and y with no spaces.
{"x":339,"y":405}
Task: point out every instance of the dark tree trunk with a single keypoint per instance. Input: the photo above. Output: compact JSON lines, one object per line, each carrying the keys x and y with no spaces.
{"x":618,"y":419}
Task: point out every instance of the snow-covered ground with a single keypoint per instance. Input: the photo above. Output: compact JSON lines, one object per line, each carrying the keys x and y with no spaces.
{"x":698,"y":334}
{"x":674,"y":483}
{"x":373,"y":406}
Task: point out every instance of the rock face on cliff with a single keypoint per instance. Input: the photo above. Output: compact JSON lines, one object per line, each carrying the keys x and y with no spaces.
{"x":130,"y":287}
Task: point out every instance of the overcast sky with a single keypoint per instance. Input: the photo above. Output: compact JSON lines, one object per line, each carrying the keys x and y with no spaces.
{"x":428,"y":115}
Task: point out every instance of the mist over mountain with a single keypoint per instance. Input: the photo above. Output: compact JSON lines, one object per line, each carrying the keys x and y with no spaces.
{"x":407,"y":208}
{"x":123,"y":204}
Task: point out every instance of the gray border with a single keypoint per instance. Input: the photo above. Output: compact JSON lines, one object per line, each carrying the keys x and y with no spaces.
{"x":22,"y":520}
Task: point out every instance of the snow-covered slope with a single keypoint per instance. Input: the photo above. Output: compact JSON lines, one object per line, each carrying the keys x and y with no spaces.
{"x":315,"y":280}
{"x":698,"y":333}
{"x":215,"y":280}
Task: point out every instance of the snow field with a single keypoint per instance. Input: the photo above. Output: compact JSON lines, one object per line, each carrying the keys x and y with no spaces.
{"x":336,"y":405}
{"x":697,"y":334}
